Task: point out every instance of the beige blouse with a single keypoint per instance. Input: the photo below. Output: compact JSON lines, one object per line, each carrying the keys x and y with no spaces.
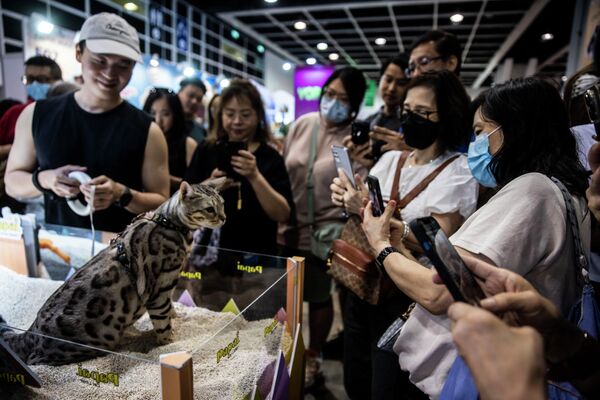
{"x":296,"y":153}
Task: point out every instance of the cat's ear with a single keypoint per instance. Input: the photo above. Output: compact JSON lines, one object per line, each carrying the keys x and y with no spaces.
{"x":184,"y":189}
{"x":219,"y":184}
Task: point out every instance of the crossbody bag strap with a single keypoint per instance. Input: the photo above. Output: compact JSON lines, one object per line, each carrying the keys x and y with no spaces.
{"x":581,"y":261}
{"x":310,"y":186}
{"x":396,"y":183}
{"x":410,"y":196}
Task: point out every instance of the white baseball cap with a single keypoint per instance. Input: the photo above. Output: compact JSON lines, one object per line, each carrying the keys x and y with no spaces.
{"x":107,"y":33}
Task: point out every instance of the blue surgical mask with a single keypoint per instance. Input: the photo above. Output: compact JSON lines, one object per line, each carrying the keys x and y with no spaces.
{"x":333,"y":110}
{"x":37,"y":91}
{"x":479,"y":159}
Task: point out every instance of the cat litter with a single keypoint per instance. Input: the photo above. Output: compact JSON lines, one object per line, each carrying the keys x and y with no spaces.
{"x":232,"y":377}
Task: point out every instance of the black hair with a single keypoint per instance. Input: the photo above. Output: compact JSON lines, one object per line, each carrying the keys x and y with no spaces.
{"x":6,"y":104}
{"x":401,"y":60}
{"x":193,"y":81}
{"x":536,"y":133}
{"x":212,"y":118}
{"x":243,"y":88}
{"x":177,"y":135}
{"x":452,"y":104}
{"x":446,"y":44}
{"x":355,"y":85}
{"x":43,"y":61}
{"x":596,"y":48}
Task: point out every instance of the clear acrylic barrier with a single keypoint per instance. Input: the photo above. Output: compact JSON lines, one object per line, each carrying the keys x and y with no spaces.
{"x":234,"y":297}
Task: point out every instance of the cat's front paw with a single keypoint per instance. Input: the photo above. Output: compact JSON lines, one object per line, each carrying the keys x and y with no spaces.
{"x":165,"y":338}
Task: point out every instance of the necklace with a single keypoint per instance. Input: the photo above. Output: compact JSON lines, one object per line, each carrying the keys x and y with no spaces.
{"x":412,"y":154}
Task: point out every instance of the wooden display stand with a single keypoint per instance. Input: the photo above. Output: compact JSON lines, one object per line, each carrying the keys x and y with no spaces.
{"x":177,"y":376}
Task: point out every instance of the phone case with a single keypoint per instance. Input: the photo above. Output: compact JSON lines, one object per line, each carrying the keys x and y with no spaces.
{"x":342,"y":161}
{"x":425,"y":230}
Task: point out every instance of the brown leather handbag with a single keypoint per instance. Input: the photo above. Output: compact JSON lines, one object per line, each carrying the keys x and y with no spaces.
{"x":352,"y":262}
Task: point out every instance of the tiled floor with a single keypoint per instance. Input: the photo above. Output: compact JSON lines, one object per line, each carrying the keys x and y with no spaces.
{"x":333,"y":387}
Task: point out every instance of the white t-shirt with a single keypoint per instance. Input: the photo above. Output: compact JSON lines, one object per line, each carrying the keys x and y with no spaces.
{"x":454,"y":189}
{"x":522,"y":228}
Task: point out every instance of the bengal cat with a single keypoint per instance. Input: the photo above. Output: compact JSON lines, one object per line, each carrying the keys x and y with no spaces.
{"x":135,"y":274}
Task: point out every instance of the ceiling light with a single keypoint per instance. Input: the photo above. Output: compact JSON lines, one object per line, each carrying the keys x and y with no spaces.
{"x":286,"y":66}
{"x":235,"y":34}
{"x":129,"y":6}
{"x":564,"y":78}
{"x":225,"y":83}
{"x":154,"y":63}
{"x":322,"y":46}
{"x":311,"y":61}
{"x":189,"y":71}
{"x":299,"y":25}
{"x":260,"y":48}
{"x":334,"y":56}
{"x":270,"y":1}
{"x":45,"y":27}
{"x":457,"y":18}
{"x":380,"y":41}
{"x":547,"y":37}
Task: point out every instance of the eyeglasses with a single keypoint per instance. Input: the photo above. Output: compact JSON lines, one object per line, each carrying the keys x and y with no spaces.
{"x":421,"y":62}
{"x":420,"y":112}
{"x":332,"y":94}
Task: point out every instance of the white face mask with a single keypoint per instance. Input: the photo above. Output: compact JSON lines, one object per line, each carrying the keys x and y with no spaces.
{"x":333,"y":110}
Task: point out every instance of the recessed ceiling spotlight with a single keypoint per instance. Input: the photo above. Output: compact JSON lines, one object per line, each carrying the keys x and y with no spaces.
{"x":334,"y":56}
{"x":130,"y":6}
{"x":299,"y":25}
{"x":380,"y":41}
{"x":457,"y":18}
{"x":260,"y":48}
{"x":564,"y":78}
{"x":45,"y":27}
{"x":286,"y":66}
{"x":189,"y":71}
{"x":270,"y":1}
{"x":547,"y":37}
{"x":322,"y":46}
{"x":154,"y":62}
{"x":311,"y":61}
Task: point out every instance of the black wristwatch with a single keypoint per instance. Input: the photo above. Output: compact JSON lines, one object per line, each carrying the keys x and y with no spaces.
{"x":125,"y":198}
{"x":383,"y":255}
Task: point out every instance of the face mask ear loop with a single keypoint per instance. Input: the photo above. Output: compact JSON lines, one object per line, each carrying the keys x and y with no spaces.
{"x":494,"y":131}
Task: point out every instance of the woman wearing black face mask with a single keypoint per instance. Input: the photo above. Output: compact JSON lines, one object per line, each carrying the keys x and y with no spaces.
{"x":434,"y":123}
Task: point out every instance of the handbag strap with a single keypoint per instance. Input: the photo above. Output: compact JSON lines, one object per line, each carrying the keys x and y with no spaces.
{"x":310,"y":186}
{"x":581,"y":261}
{"x":394,"y":195}
{"x":410,"y":196}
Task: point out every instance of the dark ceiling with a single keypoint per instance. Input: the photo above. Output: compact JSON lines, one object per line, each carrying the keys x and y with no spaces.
{"x":351,"y":27}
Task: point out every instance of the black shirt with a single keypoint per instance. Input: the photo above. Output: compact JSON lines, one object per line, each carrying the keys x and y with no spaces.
{"x":110,"y":143}
{"x":249,"y":229}
{"x":379,"y":118}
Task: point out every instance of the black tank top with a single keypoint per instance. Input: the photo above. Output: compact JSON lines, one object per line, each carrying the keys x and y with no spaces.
{"x":110,"y":143}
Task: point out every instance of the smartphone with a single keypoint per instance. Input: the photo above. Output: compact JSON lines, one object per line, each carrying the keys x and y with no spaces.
{"x":360,"y":132}
{"x":454,"y":273}
{"x":592,"y":103}
{"x":342,"y":161}
{"x":375,"y":195}
{"x":225,"y":150}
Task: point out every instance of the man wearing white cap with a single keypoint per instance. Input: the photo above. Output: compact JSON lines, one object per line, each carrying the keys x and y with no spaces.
{"x":95,"y":131}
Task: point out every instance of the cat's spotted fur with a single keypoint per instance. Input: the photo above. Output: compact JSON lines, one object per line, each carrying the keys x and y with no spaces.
{"x":135,"y":274}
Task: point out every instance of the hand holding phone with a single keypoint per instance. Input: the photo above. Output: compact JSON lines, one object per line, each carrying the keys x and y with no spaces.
{"x":449,"y":265}
{"x":342,"y":161}
{"x":225,"y":150}
{"x":375,"y":195}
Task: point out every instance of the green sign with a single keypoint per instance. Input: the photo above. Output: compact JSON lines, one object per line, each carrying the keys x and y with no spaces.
{"x":370,"y":93}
